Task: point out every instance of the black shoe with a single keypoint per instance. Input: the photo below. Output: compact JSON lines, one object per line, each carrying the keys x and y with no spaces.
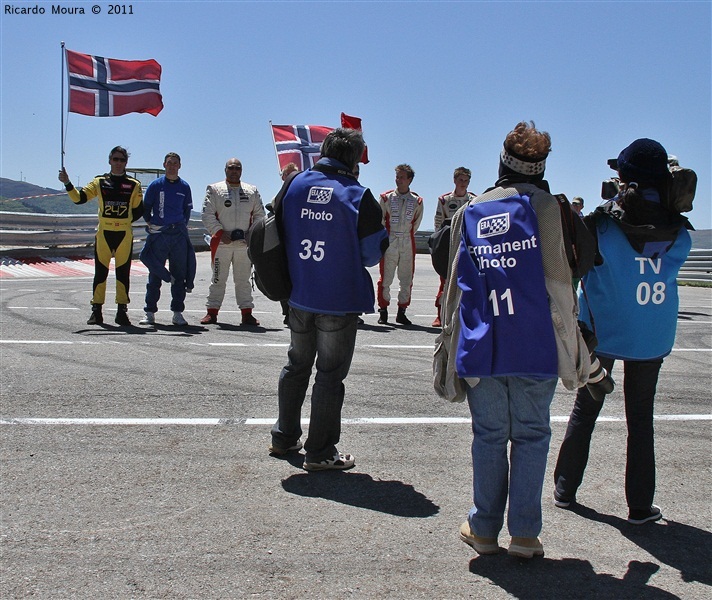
{"x":122,"y":316}
{"x":96,"y":318}
{"x":401,"y":318}
{"x":249,"y":320}
{"x":640,"y":517}
{"x":383,"y":316}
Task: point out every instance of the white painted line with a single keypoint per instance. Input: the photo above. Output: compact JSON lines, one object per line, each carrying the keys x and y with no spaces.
{"x":398,"y":346}
{"x":42,"y":308}
{"x":33,"y":342}
{"x":270,"y":421}
{"x":692,"y":349}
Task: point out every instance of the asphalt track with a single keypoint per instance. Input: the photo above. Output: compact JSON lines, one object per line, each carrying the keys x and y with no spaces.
{"x":135,"y":465}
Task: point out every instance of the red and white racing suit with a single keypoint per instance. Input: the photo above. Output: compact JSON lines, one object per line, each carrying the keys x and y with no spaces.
{"x":402,"y":214}
{"x":229,"y":208}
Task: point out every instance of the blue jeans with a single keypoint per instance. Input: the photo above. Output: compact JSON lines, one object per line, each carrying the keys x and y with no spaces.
{"x":331,"y":340}
{"x":509,"y":410}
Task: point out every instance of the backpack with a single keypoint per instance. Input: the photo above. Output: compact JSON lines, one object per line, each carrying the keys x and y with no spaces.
{"x":268,"y":254}
{"x":682,"y":189}
{"x":579,"y":242}
{"x":439,"y":245}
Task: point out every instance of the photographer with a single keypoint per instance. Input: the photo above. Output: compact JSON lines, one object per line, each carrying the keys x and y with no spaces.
{"x":632,"y":294}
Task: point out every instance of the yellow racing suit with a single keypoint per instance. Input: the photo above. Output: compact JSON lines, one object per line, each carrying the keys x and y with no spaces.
{"x":120,"y":204}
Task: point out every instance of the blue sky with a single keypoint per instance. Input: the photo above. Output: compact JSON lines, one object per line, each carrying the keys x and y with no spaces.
{"x":437,"y":84}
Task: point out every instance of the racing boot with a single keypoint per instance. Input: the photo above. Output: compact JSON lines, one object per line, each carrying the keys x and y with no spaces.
{"x":401,"y":318}
{"x":211,"y":318}
{"x":247,"y":318}
{"x":383,"y":316}
{"x":96,"y":318}
{"x":122,"y":315}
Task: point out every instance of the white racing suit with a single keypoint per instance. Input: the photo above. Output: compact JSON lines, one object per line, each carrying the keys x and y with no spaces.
{"x":402,"y":214}
{"x":448,"y":204}
{"x":232,"y":209}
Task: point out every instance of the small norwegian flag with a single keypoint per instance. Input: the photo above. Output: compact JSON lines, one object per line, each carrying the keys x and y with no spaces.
{"x":299,"y":144}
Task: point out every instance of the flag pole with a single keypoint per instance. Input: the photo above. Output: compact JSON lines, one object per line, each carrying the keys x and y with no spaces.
{"x":62,"y":116}
{"x":274,"y":145}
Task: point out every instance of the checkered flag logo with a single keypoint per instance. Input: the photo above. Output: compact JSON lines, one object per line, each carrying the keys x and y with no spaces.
{"x":320,"y":195}
{"x":494,"y":225}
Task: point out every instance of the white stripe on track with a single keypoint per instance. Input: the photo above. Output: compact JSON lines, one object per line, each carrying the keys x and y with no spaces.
{"x":270,"y":421}
{"x":285,"y":345}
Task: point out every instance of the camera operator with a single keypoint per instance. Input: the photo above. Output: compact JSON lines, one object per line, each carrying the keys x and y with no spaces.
{"x":632,"y":294}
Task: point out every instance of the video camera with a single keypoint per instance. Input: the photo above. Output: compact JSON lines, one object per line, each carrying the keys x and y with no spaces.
{"x":611,"y":187}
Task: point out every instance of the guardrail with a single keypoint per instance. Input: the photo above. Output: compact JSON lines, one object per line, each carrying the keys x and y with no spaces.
{"x":697,"y":267}
{"x":37,"y":230}
{"x":21,"y":231}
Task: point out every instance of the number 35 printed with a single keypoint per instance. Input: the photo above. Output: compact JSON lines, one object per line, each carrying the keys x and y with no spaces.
{"x":313,"y":250}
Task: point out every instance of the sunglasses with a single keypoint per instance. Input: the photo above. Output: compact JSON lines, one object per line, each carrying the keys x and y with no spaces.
{"x":233,"y":168}
{"x":118,"y":159}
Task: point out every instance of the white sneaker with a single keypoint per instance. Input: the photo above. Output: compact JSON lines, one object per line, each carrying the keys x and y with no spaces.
{"x":149,"y":319}
{"x":178,"y":319}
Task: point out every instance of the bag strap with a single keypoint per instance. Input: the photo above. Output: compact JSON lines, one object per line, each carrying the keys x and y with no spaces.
{"x":567,"y":217}
{"x":277,"y":202}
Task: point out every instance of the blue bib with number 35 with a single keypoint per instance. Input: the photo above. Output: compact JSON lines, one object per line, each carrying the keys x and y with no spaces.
{"x":506,"y":326}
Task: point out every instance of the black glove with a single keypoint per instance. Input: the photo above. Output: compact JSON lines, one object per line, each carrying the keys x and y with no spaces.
{"x":237,"y":234}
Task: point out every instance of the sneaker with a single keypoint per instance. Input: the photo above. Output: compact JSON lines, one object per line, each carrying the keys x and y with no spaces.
{"x":277,"y":451}
{"x":640,"y":517}
{"x":148,"y":319}
{"x":525,"y":547}
{"x":178,"y":319}
{"x":437,"y":323}
{"x":383,"y":316}
{"x":95,"y":318}
{"x":482,"y":545}
{"x":340,"y":461}
{"x":562,"y":502}
{"x":122,"y":316}
{"x":402,"y":319}
{"x":209,"y":319}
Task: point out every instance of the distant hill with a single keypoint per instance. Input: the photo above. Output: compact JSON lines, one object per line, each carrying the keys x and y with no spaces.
{"x":18,"y":196}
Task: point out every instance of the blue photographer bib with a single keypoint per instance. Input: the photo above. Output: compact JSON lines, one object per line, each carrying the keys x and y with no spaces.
{"x":320,"y":217}
{"x":633,"y":297}
{"x":506,"y":326}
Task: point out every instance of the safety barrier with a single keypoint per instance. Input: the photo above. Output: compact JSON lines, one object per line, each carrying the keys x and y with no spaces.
{"x":22,"y":231}
{"x":36,"y":230}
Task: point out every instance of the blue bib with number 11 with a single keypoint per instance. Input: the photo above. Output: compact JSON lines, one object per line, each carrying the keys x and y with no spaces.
{"x":505,"y":318}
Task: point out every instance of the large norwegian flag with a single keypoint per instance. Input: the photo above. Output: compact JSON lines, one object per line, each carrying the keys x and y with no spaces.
{"x":300,"y":144}
{"x":107,"y":87}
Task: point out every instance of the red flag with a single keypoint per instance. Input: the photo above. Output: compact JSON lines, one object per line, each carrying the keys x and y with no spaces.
{"x":107,"y":87}
{"x":354,"y":123}
{"x":300,"y":144}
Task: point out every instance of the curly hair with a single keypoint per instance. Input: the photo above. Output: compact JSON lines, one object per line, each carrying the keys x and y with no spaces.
{"x":527,"y":142}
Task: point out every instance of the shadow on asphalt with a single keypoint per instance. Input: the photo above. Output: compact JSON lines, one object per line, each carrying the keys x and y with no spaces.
{"x":361,"y":490}
{"x":568,"y":578}
{"x":682,"y":547}
{"x":109,"y":329}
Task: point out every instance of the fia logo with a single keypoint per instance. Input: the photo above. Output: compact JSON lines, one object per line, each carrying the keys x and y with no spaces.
{"x":494,"y":225}
{"x":319,"y":195}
